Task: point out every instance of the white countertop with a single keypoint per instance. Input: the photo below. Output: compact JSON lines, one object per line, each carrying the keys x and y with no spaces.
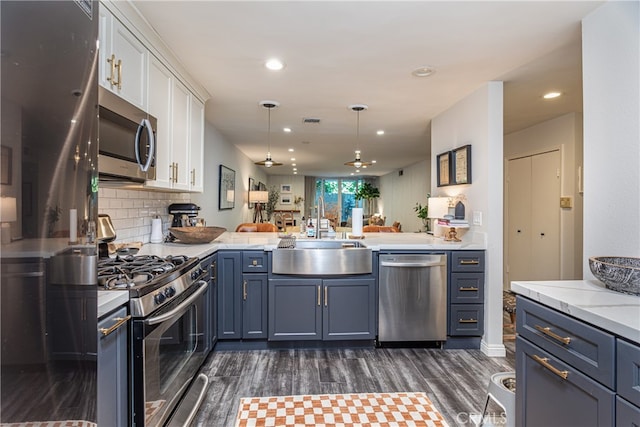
{"x":590,"y":301}
{"x":269,"y":241}
{"x":110,"y":300}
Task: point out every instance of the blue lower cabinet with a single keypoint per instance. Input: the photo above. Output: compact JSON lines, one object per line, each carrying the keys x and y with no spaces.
{"x":322,"y":309}
{"x":550,"y":392}
{"x":113,"y":373}
{"x":254,"y":306}
{"x":627,"y":414}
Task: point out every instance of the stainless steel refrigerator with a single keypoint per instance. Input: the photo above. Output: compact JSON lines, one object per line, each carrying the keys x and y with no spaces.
{"x":48,"y":184}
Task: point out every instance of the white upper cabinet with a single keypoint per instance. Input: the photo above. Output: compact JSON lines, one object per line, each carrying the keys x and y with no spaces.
{"x":123,"y":60}
{"x":160,"y":85}
{"x":196,"y":145}
{"x":134,"y":66}
{"x":180,"y":131}
{"x":181,"y":102}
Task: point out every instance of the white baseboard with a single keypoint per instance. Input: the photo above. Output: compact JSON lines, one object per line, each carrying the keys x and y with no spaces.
{"x":493,"y":350}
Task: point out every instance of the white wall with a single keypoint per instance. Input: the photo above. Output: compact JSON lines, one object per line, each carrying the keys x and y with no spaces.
{"x":563,"y":133}
{"x":611,"y":70}
{"x":477,"y":120}
{"x":217,"y":151}
{"x":399,"y":195}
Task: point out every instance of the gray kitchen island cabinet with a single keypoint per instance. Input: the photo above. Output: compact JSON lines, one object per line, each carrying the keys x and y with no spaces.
{"x":113,"y":369}
{"x":565,"y":369}
{"x":242,"y":294}
{"x":322,"y":309}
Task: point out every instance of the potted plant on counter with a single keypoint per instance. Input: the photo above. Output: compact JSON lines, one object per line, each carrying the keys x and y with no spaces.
{"x":422,"y":212}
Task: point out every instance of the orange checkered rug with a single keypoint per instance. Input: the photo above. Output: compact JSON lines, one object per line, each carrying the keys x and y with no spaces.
{"x":340,"y":410}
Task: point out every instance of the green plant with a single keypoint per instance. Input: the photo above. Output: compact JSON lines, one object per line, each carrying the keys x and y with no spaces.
{"x":272,"y":201}
{"x":367,"y":191}
{"x":422,"y":212}
{"x":53,"y":215}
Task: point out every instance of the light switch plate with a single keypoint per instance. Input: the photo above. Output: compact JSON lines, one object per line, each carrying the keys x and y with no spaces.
{"x":477,"y":218}
{"x":565,"y":202}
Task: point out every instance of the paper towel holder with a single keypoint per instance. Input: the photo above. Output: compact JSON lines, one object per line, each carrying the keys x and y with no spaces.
{"x":156,"y":230}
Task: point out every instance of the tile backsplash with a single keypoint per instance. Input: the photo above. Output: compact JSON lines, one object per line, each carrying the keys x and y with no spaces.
{"x":132,"y":211}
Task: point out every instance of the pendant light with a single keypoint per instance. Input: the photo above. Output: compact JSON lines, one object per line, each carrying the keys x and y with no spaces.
{"x":357,"y":162}
{"x":268,"y":162}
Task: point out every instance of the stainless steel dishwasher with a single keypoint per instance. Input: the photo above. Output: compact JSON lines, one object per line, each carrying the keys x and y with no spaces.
{"x":412,"y":297}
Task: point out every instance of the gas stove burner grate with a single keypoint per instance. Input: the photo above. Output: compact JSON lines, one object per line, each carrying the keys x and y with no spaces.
{"x":127,"y":271}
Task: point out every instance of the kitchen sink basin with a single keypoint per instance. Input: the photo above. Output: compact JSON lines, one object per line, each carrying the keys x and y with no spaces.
{"x":322,"y":257}
{"x":327,"y":244}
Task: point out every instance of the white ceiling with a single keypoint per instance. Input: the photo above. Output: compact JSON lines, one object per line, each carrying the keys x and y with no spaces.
{"x":342,"y":53}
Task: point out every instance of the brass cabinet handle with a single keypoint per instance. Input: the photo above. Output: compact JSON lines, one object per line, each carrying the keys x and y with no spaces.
{"x":544,"y":361}
{"x":326,"y":295}
{"x":193,"y":177}
{"x":547,"y":332}
{"x":469,"y":262}
{"x":177,"y":165}
{"x":468,"y":320}
{"x":119,"y":67}
{"x":244,"y":290}
{"x":318,"y":295}
{"x":470,"y":288}
{"x":119,"y":322}
{"x":112,"y":62}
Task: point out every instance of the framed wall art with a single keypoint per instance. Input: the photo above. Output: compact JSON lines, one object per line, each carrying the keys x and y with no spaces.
{"x":226,"y":195}
{"x":6,"y":168}
{"x":444,"y":169}
{"x":252,"y":186}
{"x":285,"y":188}
{"x":461,"y":158}
{"x":286,"y":199}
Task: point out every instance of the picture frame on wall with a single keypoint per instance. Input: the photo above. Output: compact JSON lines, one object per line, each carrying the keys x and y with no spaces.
{"x":461,"y":166}
{"x":7,"y":164}
{"x":286,"y":199}
{"x":285,"y":188}
{"x":227,"y":186}
{"x":443,"y":164}
{"x":252,"y":186}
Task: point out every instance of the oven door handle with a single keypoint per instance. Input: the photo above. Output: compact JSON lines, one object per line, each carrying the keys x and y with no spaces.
{"x":180,"y":308}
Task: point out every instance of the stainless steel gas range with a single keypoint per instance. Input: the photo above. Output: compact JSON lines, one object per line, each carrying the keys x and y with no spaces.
{"x":170,"y":337}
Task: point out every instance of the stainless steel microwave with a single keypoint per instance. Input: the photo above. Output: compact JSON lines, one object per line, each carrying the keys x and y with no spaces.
{"x":126,"y":140}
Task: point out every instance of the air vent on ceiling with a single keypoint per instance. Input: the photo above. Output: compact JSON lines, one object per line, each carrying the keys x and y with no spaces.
{"x":311,"y":120}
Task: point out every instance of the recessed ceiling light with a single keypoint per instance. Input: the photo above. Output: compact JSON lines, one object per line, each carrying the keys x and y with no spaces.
{"x":295,"y":169}
{"x":551,"y":95}
{"x":352,"y":174}
{"x":291,"y":150}
{"x":295,"y":173}
{"x":293,"y":159}
{"x":374,"y":161}
{"x":425,"y":71}
{"x":293,"y":164}
{"x":380,"y":132}
{"x":286,"y":130}
{"x":274,"y":64}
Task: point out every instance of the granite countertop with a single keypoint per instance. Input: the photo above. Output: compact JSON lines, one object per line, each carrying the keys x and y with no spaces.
{"x":589,"y":301}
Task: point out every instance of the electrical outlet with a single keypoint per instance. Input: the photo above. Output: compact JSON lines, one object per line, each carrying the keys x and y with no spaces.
{"x":477,"y":218}
{"x":565,"y":202}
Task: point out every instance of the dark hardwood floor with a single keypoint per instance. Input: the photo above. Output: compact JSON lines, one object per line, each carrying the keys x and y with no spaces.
{"x":455,"y":380}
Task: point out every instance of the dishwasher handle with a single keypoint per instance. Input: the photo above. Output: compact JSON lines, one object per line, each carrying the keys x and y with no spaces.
{"x":407,"y":264}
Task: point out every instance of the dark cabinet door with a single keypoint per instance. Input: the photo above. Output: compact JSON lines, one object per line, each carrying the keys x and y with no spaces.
{"x":348,"y":309}
{"x":113,"y":394}
{"x":295,"y":309}
{"x":553,"y":393}
{"x":229,"y":295}
{"x":72,"y":312}
{"x":254,"y":306}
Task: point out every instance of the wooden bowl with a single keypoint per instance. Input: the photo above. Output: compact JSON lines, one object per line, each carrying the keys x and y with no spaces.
{"x":621,"y":274}
{"x":195,"y":235}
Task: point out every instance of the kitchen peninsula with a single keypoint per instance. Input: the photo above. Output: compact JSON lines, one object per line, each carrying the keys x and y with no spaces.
{"x":577,"y":354}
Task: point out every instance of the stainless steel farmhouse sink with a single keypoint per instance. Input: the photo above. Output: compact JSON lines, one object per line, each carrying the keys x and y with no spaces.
{"x":322,"y":257}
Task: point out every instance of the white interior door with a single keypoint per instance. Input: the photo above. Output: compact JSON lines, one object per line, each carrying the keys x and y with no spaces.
{"x":545,"y":216}
{"x":533,"y":218}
